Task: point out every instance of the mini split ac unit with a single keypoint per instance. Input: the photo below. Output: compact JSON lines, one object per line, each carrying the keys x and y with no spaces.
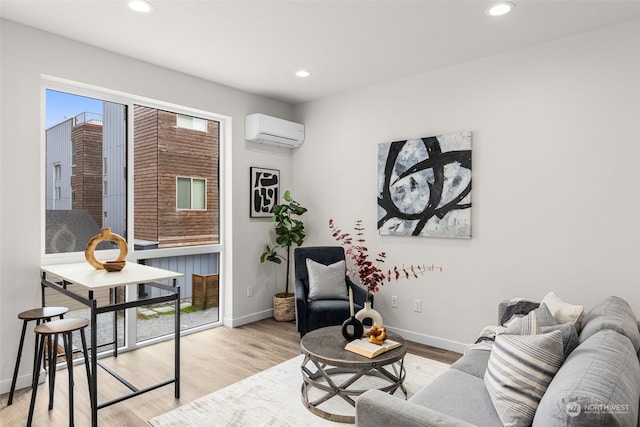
{"x":272,"y":130}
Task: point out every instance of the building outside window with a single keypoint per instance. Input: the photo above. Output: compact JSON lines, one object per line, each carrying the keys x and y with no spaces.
{"x":176,"y":169}
{"x":174,"y":162}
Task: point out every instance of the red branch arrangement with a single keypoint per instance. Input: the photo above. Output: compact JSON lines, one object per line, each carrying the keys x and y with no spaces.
{"x":370,"y":274}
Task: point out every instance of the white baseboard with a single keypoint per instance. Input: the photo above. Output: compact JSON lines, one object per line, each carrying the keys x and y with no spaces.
{"x":23,"y":381}
{"x":244,"y":320}
{"x":445,"y":344}
{"x":442,"y":343}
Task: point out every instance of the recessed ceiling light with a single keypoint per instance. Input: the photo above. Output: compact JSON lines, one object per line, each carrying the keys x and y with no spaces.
{"x":142,"y":6}
{"x":500,"y":9}
{"x":303,"y":73}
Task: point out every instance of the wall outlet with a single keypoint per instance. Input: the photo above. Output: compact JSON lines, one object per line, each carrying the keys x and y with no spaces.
{"x":250,"y":290}
{"x":417,"y":306}
{"x":394,"y":301}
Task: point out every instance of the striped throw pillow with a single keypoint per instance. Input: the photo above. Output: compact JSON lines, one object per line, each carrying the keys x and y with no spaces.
{"x":525,"y":325}
{"x":519,"y":371}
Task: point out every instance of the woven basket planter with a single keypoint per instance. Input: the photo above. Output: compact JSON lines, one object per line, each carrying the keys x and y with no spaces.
{"x":284,"y":309}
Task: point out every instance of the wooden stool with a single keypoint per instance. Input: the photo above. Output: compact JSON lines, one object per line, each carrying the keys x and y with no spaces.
{"x":66,"y":327}
{"x":42,"y":314}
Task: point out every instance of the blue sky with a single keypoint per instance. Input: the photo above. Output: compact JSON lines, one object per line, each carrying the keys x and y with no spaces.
{"x":61,"y":106}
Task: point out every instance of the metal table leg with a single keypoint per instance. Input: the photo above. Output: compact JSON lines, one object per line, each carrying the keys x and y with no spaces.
{"x":94,"y":362}
{"x":177,"y":340}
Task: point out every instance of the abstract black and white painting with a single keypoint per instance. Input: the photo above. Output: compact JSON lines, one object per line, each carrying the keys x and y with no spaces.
{"x":265,"y":191}
{"x":424,"y":187}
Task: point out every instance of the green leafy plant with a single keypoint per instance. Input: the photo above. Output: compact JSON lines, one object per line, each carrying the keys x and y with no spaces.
{"x":289,"y":231}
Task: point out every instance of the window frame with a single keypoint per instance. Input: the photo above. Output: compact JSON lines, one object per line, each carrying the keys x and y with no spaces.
{"x":192,"y":179}
{"x":57,"y":172}
{"x":73,"y":155}
{"x":63,"y":85}
{"x":193,"y":120}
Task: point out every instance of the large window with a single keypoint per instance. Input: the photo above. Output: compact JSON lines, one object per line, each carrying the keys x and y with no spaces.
{"x":86,"y":157}
{"x":150,"y":174}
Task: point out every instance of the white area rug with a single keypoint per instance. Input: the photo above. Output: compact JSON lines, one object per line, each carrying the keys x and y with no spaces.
{"x":273,"y":398}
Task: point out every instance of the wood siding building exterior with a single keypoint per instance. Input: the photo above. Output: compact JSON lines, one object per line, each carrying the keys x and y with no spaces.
{"x":164,"y":152}
{"x":86,"y":182}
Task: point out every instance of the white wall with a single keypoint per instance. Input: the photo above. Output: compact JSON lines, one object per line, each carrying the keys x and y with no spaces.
{"x":555,"y":175}
{"x":555,"y":178}
{"x":26,"y":55}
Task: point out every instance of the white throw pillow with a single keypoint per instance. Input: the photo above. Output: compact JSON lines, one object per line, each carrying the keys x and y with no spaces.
{"x":563,"y":312}
{"x":327,"y":281}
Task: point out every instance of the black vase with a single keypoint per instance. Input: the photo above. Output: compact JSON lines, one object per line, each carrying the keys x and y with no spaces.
{"x":357,"y":327}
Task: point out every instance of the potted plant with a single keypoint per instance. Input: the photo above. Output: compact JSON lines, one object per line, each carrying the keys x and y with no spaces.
{"x":289,"y":230}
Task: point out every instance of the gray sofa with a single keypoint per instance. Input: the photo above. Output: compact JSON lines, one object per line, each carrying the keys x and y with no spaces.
{"x":598,"y":384}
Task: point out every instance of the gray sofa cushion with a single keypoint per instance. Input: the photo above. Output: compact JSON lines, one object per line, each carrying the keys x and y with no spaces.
{"x":612,"y":313}
{"x":598,"y":385}
{"x":461,"y":396}
{"x":376,"y":408}
{"x":474,"y":362}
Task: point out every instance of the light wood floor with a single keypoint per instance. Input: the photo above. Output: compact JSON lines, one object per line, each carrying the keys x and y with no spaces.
{"x":210,"y":360}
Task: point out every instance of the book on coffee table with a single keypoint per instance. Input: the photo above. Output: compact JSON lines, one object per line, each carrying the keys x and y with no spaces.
{"x":365,"y":348}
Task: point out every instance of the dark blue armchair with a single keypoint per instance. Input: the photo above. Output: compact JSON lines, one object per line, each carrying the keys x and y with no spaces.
{"x":318,"y":313}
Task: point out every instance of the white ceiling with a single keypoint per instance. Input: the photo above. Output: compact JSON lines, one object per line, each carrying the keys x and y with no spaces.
{"x":257,"y":46}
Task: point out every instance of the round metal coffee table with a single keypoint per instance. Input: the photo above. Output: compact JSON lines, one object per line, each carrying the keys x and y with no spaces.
{"x":331,"y":373}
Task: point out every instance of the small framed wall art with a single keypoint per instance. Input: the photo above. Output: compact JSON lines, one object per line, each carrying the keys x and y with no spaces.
{"x":265,"y":191}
